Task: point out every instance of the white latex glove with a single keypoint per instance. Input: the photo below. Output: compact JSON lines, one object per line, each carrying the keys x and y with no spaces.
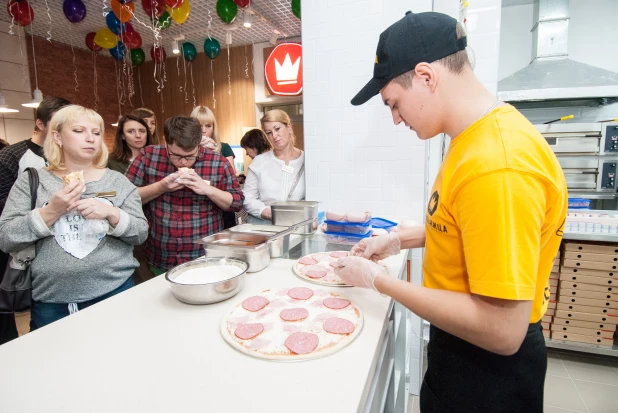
{"x":359,"y":272}
{"x":377,"y":248}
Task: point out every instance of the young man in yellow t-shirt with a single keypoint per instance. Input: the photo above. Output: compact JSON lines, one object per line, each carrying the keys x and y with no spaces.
{"x":493,"y":225}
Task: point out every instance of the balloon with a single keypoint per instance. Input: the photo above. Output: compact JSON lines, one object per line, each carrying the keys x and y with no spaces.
{"x":137,"y":56}
{"x":114,"y":24}
{"x":119,"y":51}
{"x":131,"y":38}
{"x":164,"y":21}
{"x":124,"y":12}
{"x":243,"y":4}
{"x":227,"y":10}
{"x":105,"y":38}
{"x":189,"y":51}
{"x":212,"y":47}
{"x":74,"y":10}
{"x":20,"y":11}
{"x":91,"y":44}
{"x":180,"y":14}
{"x":157,"y":53}
{"x":153,"y":7}
{"x":296,"y":8}
{"x":174,"y":3}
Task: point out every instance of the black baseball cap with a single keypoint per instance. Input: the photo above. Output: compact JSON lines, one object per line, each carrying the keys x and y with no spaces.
{"x":421,"y":37}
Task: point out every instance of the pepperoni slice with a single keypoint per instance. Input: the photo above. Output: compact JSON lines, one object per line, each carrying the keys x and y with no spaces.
{"x":339,"y":254}
{"x":307,"y":261}
{"x":294,"y":314}
{"x":336,"y":303}
{"x":334,"y":264}
{"x":336,"y":325}
{"x":255,"y":303}
{"x":300,"y":293}
{"x":301,"y":342}
{"x":248,"y":331}
{"x":316,"y":273}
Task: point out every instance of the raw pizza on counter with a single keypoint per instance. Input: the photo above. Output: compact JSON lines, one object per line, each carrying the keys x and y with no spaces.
{"x":292,"y":324}
{"x":320,"y":267}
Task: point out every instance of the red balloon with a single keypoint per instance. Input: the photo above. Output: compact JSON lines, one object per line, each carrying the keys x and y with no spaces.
{"x":20,"y":11}
{"x":243,"y":4}
{"x":154,"y":7}
{"x":157,"y":53}
{"x":91,"y":44}
{"x":174,"y":3}
{"x":130,"y":37}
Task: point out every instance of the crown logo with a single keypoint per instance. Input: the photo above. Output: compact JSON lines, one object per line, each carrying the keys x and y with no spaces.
{"x":287,"y":73}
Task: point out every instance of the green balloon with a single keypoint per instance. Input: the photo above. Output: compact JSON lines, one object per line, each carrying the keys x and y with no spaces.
{"x":164,"y":21}
{"x":189,"y":51}
{"x":137,"y":56}
{"x":296,"y":8}
{"x":212,"y":47}
{"x":227,"y":10}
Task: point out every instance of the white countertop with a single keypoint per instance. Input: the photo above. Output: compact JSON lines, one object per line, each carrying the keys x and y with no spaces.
{"x":144,"y":351}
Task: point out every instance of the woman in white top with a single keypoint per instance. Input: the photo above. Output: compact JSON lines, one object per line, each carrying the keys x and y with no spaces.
{"x":277,"y":175}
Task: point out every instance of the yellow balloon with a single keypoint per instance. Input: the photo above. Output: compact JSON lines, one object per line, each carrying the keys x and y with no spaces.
{"x":105,"y":38}
{"x":180,"y":14}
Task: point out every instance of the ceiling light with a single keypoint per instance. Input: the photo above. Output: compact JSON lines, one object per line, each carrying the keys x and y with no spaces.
{"x":115,"y":124}
{"x":4,"y":108}
{"x":273,"y":39}
{"x":228,"y":38}
{"x":247,"y":20}
{"x":37,"y":98}
{"x":175,"y":48}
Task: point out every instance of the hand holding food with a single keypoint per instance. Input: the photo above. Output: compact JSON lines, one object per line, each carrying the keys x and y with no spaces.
{"x":359,"y":272}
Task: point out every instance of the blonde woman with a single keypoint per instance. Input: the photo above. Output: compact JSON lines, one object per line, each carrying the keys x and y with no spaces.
{"x":85,"y":230}
{"x":277,"y":175}
{"x":210,"y":133}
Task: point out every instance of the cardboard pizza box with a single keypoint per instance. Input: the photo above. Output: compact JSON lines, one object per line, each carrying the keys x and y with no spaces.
{"x":555,"y":268}
{"x":546,"y":319}
{"x":580,"y":256}
{"x":584,"y":324}
{"x":587,"y":309}
{"x":553,"y":283}
{"x":550,"y":312}
{"x":595,"y":318}
{"x":589,"y":280}
{"x":589,"y":302}
{"x":582,"y":286}
{"x":553,"y":290}
{"x":554,"y":275}
{"x":605,"y":342}
{"x":546,"y":326}
{"x":581,"y":331}
{"x":593,"y":248}
{"x":547,"y":333}
{"x":588,"y":272}
{"x":592,"y":265}
{"x":595,"y":295}
{"x":551,"y":304}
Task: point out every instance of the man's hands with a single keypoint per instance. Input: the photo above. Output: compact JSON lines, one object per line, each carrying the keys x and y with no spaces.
{"x":359,"y":272}
{"x":195,"y":183}
{"x":377,"y":248}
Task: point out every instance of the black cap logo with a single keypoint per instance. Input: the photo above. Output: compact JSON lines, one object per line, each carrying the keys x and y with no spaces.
{"x":433,"y":203}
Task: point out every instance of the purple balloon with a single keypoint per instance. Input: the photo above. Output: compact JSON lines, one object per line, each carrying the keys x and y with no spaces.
{"x":74,"y":10}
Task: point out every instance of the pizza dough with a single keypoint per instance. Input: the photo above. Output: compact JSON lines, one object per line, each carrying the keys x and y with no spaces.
{"x":314,"y":330}
{"x":323,"y":270}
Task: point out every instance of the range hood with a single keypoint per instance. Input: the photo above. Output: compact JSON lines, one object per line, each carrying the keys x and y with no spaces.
{"x":552,"y":79}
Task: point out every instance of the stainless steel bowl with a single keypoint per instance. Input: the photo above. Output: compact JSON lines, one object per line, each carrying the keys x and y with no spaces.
{"x":207,"y":293}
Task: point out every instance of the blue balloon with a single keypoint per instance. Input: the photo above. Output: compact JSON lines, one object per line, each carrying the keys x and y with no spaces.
{"x":74,"y":10}
{"x":114,"y":24}
{"x":118,"y":51}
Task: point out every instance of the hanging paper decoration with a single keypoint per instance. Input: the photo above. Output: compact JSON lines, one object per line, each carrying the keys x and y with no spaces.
{"x":74,"y":10}
{"x":189,"y":52}
{"x":20,"y":11}
{"x":154,"y":8}
{"x":212,"y":47}
{"x":174,"y":3}
{"x":243,"y":4}
{"x":227,"y":10}
{"x":164,"y":21}
{"x":296,"y":8}
{"x":157,"y":53}
{"x":118,"y":51}
{"x":137,"y":56}
{"x":180,"y":14}
{"x":91,"y":44}
{"x":130,"y":37}
{"x":114,"y":24}
{"x":105,"y":38}
{"x":124,"y":12}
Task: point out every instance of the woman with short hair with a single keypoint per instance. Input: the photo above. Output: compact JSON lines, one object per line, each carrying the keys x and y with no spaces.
{"x":255,"y":143}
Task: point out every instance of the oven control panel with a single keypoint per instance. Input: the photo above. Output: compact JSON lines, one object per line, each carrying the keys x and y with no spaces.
{"x":608,"y":175}
{"x":611,"y":138}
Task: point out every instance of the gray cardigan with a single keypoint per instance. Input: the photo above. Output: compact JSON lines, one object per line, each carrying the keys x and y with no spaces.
{"x":57,"y":276}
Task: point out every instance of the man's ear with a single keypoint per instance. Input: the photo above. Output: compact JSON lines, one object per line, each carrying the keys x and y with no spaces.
{"x":426,"y":74}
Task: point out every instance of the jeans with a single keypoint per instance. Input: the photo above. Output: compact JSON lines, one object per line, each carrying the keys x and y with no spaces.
{"x":43,"y":314}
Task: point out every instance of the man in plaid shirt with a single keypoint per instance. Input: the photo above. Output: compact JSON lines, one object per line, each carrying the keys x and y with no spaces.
{"x":182,"y":207}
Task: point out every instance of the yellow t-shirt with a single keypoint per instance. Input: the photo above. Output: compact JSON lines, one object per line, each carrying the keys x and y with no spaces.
{"x":496,"y":214}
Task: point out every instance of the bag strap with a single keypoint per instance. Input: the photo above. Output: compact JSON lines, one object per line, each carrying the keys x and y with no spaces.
{"x":34,"y":185}
{"x":295,"y":184}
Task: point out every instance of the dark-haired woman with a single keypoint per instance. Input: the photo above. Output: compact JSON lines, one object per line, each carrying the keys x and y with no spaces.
{"x":131,"y":136}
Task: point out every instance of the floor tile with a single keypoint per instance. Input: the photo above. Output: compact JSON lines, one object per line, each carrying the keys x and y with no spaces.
{"x":599,"y":398}
{"x":561,"y":392}
{"x":552,"y":409}
{"x":555,"y":366}
{"x":595,"y":369}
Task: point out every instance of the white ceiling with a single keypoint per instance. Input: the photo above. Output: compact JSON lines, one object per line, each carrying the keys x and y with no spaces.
{"x":277,"y":15}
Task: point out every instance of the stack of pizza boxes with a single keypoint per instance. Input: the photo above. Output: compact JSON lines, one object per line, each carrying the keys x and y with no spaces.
{"x":554,"y":278}
{"x":587,"y":301}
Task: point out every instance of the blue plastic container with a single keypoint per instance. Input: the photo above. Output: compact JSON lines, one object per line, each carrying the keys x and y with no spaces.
{"x":345,"y":238}
{"x":348,"y":227}
{"x":381,"y":223}
{"x":579,"y":203}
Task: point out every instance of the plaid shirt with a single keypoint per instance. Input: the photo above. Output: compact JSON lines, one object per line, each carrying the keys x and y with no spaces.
{"x":178,"y":218}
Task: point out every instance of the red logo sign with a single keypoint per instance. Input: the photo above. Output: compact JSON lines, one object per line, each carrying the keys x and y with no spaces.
{"x":284,"y":69}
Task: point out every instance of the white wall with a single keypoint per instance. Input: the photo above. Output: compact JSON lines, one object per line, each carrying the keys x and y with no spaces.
{"x":15,"y":127}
